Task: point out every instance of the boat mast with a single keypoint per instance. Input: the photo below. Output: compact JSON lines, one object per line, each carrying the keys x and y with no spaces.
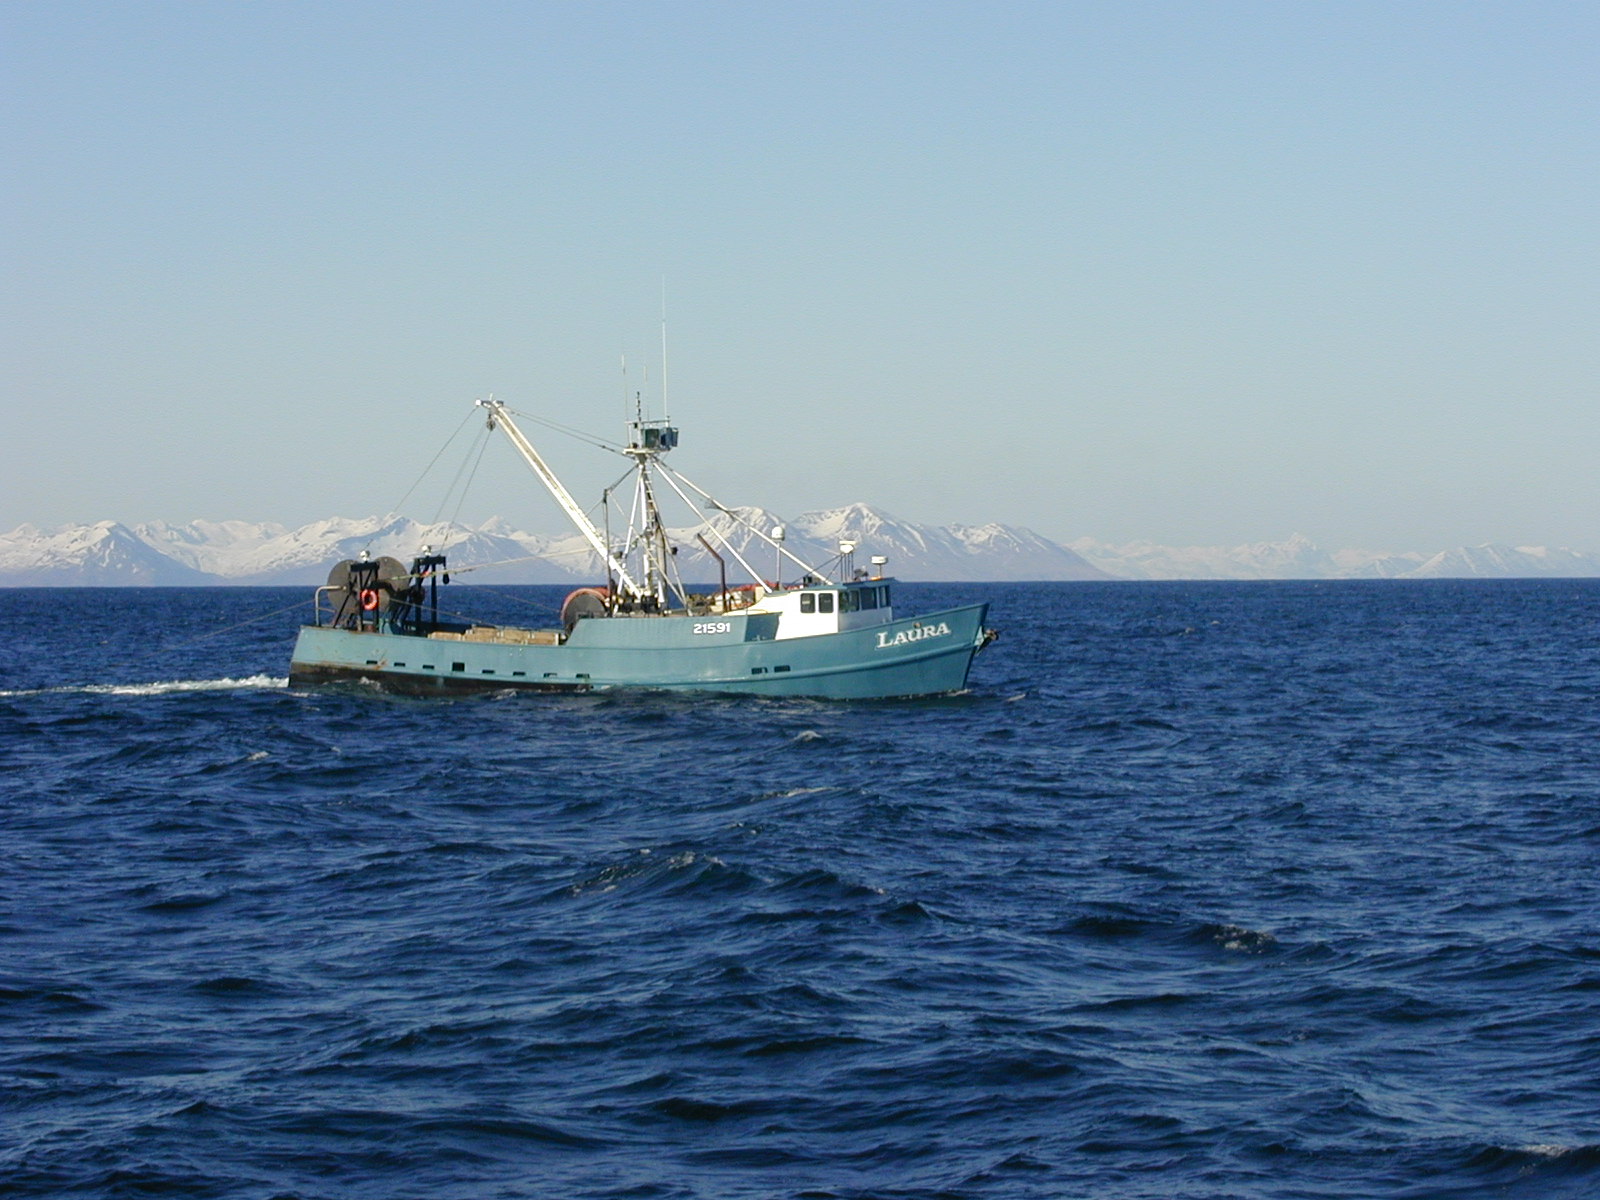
{"x":499,"y":418}
{"x":647,"y":441}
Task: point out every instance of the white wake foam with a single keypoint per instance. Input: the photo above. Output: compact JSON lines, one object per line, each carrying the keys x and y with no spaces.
{"x":160,"y":688}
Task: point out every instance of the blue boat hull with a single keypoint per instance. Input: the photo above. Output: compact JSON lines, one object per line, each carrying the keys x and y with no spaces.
{"x":915,"y":656}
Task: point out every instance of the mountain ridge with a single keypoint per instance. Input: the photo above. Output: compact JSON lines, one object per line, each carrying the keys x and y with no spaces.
{"x":217,"y":553}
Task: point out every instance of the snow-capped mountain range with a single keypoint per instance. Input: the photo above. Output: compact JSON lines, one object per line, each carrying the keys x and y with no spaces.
{"x":242,"y":552}
{"x":1298,"y":557}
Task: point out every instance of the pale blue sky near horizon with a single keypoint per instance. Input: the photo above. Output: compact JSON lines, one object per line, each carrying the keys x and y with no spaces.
{"x":1180,"y":272}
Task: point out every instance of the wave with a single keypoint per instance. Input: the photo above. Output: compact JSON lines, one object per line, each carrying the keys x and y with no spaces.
{"x":670,"y":873}
{"x":1161,"y":925}
{"x":160,"y":688}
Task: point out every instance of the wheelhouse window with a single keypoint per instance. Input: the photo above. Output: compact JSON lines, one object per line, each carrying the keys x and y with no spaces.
{"x":869,"y":597}
{"x":808,"y":602}
{"x":824,"y":602}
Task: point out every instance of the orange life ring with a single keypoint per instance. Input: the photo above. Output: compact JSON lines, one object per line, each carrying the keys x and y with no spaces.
{"x":369,"y":599}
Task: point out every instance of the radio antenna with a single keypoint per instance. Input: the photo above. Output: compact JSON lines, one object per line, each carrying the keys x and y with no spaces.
{"x":666,"y":413}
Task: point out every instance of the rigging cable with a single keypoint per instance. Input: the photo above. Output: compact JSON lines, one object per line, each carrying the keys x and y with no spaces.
{"x":168,"y":646}
{"x":483,"y":445}
{"x":418,"y":482}
{"x":481,"y":442}
{"x":570,"y":431}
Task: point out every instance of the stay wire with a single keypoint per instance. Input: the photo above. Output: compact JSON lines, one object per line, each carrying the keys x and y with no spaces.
{"x":468,"y":461}
{"x":418,"y":482}
{"x":542,"y":605}
{"x":431,"y":463}
{"x":170,"y":646}
{"x":569,"y":430}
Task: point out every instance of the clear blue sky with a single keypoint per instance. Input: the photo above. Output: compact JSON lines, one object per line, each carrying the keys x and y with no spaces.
{"x":1186,"y":272}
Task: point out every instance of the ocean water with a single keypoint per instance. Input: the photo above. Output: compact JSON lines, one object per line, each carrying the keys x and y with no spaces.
{"x":1203,"y":890}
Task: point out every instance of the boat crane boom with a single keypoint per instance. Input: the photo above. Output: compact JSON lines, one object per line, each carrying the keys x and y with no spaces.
{"x":498,"y":417}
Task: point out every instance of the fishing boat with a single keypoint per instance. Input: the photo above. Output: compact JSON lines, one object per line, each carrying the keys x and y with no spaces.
{"x":830,"y":632}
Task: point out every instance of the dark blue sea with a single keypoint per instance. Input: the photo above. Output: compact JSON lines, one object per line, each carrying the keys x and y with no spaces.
{"x":1203,"y":890}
